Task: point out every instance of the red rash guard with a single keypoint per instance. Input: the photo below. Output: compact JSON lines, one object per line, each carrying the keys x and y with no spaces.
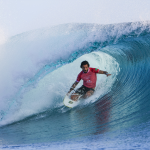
{"x":89,"y":78}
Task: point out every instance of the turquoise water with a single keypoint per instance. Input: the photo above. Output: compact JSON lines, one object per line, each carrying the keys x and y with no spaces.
{"x":43,"y":66}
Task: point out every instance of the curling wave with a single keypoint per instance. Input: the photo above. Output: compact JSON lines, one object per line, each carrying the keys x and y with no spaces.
{"x":44,"y":63}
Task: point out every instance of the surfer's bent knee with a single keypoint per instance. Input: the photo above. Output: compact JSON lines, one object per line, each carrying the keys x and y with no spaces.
{"x":74,"y":96}
{"x":89,"y":93}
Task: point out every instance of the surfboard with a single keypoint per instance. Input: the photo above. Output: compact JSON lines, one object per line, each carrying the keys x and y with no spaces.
{"x":70,"y":103}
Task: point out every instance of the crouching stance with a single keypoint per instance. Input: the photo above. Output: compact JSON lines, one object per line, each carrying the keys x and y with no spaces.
{"x":88,"y":75}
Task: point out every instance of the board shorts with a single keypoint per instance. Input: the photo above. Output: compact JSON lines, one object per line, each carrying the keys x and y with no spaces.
{"x":83,"y":89}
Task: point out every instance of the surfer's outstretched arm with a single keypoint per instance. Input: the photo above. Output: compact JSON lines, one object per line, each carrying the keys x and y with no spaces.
{"x":73,"y":86}
{"x":104,"y":72}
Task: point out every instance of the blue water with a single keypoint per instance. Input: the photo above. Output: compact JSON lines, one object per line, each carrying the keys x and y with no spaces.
{"x":38,"y":68}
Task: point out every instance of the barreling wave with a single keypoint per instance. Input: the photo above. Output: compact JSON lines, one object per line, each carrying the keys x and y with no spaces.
{"x":38,"y":68}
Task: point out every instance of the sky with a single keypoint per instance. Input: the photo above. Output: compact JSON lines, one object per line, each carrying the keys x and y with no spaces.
{"x":17,"y":16}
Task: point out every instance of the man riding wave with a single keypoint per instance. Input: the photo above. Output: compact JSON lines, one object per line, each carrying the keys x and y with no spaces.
{"x":88,"y":75}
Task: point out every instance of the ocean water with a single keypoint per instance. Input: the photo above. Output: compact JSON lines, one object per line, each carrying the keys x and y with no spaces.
{"x":38,"y":68}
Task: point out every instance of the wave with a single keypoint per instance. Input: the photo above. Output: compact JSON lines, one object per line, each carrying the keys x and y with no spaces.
{"x":38,"y":68}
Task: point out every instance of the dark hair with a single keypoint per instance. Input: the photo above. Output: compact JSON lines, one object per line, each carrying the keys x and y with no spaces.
{"x":84,"y":63}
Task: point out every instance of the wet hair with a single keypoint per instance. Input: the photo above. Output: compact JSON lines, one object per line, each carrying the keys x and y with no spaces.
{"x":84,"y":63}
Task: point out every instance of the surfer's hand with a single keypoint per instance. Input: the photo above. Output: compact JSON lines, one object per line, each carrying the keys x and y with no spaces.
{"x":68,"y":93}
{"x":108,"y":74}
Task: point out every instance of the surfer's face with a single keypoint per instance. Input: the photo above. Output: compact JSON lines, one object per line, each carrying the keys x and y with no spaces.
{"x":85,"y":68}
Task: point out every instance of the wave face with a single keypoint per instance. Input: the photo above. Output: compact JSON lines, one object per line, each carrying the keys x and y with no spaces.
{"x":38,"y":68}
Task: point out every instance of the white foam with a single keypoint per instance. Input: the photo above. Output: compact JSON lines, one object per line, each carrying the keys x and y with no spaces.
{"x":50,"y":90}
{"x":25,"y":54}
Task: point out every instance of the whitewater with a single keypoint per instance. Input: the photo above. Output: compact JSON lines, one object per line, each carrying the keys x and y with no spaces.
{"x":37,"y":69}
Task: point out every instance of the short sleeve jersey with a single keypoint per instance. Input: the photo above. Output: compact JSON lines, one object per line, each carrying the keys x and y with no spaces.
{"x":89,"y":78}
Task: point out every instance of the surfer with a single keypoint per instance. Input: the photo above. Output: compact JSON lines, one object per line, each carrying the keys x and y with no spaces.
{"x":88,"y":75}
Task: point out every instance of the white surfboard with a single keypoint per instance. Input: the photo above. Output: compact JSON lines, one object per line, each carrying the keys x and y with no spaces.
{"x":70,"y":103}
